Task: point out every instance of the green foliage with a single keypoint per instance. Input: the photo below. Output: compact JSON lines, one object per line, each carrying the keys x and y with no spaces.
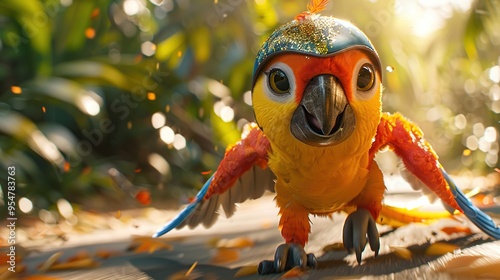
{"x":93,"y":73}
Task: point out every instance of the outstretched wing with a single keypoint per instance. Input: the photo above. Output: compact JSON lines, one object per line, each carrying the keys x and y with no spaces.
{"x":241,"y":175}
{"x":478,"y":217}
{"x":406,"y":140}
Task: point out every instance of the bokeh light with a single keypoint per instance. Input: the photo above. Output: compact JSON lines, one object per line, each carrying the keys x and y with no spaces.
{"x":131,"y":7}
{"x":179,"y":142}
{"x":90,"y":105}
{"x":226,"y":113}
{"x":159,"y":163}
{"x":167,"y":135}
{"x":25,"y":205}
{"x":158,"y":120}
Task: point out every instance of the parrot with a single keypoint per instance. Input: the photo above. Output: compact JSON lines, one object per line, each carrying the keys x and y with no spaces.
{"x":316,"y":97}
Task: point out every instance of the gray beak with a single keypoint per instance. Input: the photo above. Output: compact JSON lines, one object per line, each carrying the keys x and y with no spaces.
{"x":324,"y":116}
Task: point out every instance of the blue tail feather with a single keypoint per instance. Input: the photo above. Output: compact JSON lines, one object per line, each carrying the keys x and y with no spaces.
{"x":184,"y":214}
{"x":478,"y":217}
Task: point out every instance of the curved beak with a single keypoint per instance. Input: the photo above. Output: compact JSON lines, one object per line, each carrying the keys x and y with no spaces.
{"x":324,"y":116}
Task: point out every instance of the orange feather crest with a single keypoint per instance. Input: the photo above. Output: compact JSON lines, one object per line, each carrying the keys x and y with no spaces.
{"x":314,"y":6}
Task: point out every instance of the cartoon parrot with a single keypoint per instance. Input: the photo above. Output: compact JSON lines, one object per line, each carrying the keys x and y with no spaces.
{"x":316,"y":95}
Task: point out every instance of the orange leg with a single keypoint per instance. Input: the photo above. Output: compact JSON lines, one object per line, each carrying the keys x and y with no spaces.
{"x":295,"y":227}
{"x":294,"y":222}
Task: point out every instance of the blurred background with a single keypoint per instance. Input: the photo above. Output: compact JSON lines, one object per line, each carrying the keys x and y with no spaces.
{"x":102,"y":100}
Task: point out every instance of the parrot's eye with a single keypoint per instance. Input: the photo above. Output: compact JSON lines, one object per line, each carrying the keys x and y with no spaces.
{"x":366,"y":77}
{"x":278,"y":81}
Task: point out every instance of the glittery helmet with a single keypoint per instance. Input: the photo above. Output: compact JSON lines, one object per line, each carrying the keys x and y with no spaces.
{"x":316,"y":36}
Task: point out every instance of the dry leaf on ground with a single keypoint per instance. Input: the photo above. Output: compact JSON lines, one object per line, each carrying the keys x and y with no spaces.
{"x":78,"y":264}
{"x":337,"y":246}
{"x":402,"y":252}
{"x":440,"y":248}
{"x":141,"y":244}
{"x":246,"y":270}
{"x":105,"y":254}
{"x":79,"y":256}
{"x":50,"y":262}
{"x":235,"y":243}
{"x":451,"y":230}
{"x":224,"y":255}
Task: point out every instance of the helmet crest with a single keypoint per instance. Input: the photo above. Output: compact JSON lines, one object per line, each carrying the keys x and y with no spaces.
{"x":315,"y":35}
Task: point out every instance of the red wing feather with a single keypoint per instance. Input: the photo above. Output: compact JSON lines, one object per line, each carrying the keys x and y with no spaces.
{"x":406,"y":140}
{"x":238,"y":159}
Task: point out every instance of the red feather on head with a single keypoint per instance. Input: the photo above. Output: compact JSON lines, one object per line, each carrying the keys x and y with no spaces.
{"x":314,"y":6}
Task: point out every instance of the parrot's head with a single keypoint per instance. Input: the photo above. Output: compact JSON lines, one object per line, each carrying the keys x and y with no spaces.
{"x":317,"y":80}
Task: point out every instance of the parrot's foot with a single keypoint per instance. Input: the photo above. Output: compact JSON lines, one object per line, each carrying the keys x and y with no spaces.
{"x":359,"y":226}
{"x":287,"y":256}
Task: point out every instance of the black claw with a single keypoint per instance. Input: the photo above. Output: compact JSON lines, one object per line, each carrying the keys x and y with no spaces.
{"x":296,"y":257}
{"x":359,"y":251}
{"x":266,"y":267}
{"x":281,"y":258}
{"x":360,"y":228}
{"x":373,"y":236}
{"x":311,"y":260}
{"x":287,"y":256}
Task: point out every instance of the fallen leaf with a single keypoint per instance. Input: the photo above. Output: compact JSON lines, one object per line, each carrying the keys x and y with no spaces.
{"x":235,"y":243}
{"x":451,"y":230}
{"x":5,"y":258}
{"x":337,"y":246}
{"x":266,"y":224}
{"x":143,"y":197}
{"x":402,"y":252}
{"x":105,"y":254}
{"x":95,"y":13}
{"x":16,"y":89}
{"x":50,"y":262}
{"x":224,"y":255}
{"x":78,"y":256}
{"x":67,"y":166}
{"x":207,"y":172}
{"x":141,"y":244}
{"x":152,"y":247}
{"x":191,"y":268}
{"x":213,"y":242}
{"x":5,"y":273}
{"x":294,"y":272}
{"x":181,"y":275}
{"x":440,"y":248}
{"x":246,"y":270}
{"x":118,"y":214}
{"x":78,"y":264}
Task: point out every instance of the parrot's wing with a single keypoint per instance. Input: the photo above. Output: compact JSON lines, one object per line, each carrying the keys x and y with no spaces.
{"x":406,"y":140}
{"x":478,"y":217}
{"x":241,"y":175}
